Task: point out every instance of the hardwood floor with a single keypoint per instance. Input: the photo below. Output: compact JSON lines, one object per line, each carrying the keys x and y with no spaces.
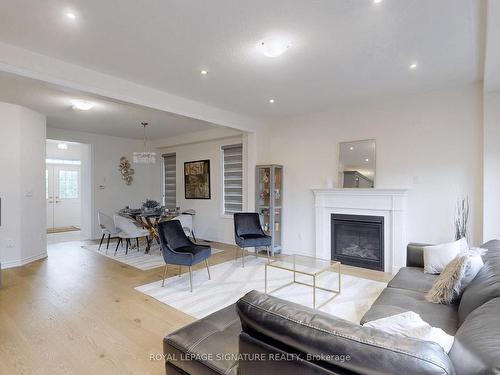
{"x":77,"y":312}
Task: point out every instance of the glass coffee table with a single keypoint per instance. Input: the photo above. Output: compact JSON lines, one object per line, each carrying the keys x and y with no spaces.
{"x":304,"y":265}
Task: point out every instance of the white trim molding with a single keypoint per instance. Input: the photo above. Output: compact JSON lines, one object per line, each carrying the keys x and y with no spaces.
{"x":388,"y":203}
{"x":24,"y":261}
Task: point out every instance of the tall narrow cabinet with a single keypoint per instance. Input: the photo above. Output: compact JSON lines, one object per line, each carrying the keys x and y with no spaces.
{"x":268,"y":201}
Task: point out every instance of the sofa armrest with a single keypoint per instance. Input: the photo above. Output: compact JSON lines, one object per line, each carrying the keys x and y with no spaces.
{"x":415,"y":254}
{"x":321,"y":339}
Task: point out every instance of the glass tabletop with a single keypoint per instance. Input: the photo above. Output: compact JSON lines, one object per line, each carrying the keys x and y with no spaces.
{"x":303,"y":264}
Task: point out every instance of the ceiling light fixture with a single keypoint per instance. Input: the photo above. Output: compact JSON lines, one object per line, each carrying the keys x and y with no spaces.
{"x":204,"y":72}
{"x":271,"y":101}
{"x":62,"y":146}
{"x":274,"y":47}
{"x":82,"y":105}
{"x":413,"y":66}
{"x":367,"y":160}
{"x":144,"y":157}
{"x":351,"y":148}
{"x":71,"y":15}
{"x":377,"y":1}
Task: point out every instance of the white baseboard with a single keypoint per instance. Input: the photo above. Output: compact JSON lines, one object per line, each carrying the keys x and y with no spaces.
{"x":24,"y":261}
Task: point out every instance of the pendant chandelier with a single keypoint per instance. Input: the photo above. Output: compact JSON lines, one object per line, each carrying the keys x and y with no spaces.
{"x":145,"y":157}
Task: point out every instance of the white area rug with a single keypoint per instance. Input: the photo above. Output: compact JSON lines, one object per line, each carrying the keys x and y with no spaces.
{"x":135,"y":258}
{"x":230,"y":282}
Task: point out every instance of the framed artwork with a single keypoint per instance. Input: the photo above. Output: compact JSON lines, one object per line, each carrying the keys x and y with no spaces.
{"x":197,"y":179}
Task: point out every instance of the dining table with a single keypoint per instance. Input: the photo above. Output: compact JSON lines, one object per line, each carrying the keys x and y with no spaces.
{"x":149,"y":220}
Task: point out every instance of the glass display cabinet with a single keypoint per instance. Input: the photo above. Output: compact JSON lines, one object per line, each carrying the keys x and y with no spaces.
{"x":268,"y":201}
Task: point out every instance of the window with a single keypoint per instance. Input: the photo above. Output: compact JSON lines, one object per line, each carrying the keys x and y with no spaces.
{"x":170,"y":185}
{"x":233,"y":178}
{"x":68,"y":185}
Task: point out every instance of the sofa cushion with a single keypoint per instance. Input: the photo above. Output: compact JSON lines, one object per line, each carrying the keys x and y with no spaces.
{"x":196,"y":348}
{"x":477,"y":345}
{"x":413,"y":278}
{"x":394,"y":301}
{"x":304,"y":331}
{"x":493,"y":247}
{"x":486,"y":284}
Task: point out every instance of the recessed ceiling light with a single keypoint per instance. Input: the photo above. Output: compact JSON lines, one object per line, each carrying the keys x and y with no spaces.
{"x":62,"y":146}
{"x":71,"y":15}
{"x":351,"y":148}
{"x":377,"y":1}
{"x":271,"y":101}
{"x":367,"y":159}
{"x":204,"y":72}
{"x":274,"y":47}
{"x":82,"y":105}
{"x":413,"y":66}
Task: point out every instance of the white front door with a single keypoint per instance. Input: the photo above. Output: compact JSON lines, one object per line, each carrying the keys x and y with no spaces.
{"x":49,"y":195}
{"x":63,"y":195}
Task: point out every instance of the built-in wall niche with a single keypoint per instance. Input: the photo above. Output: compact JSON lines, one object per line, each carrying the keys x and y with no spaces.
{"x":357,"y":164}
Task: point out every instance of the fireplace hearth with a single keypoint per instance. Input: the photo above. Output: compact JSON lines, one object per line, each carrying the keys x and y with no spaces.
{"x":358,"y":240}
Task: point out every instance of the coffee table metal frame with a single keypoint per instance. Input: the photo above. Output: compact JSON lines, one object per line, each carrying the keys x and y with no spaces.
{"x":329,"y":266}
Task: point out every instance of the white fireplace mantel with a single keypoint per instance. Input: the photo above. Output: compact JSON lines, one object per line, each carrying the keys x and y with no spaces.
{"x":388,"y":203}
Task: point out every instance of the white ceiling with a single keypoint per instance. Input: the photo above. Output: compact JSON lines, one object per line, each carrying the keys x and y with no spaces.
{"x":343,"y":50}
{"x":107,"y":117}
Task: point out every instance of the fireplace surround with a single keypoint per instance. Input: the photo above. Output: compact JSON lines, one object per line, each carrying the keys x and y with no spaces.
{"x":391,"y":204}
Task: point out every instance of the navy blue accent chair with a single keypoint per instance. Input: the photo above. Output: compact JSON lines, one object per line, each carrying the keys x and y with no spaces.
{"x":249,"y":233}
{"x":178,"y":249}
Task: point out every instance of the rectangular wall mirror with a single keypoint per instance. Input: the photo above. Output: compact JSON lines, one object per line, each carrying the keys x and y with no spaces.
{"x":357,"y":164}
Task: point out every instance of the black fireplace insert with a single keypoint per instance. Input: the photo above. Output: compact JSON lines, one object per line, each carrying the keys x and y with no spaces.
{"x":358,"y":240}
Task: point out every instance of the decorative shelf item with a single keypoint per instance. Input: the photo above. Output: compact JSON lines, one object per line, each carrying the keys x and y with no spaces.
{"x":268,"y":201}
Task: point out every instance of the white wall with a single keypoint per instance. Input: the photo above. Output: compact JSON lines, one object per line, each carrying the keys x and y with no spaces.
{"x":209,"y":222}
{"x":22,"y":185}
{"x":430,"y":143}
{"x":73,"y":152}
{"x":491,"y":165}
{"x":108,"y":189}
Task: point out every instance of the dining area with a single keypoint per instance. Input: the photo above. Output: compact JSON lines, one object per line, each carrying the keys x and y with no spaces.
{"x":132,"y":226}
{"x":154,"y":236}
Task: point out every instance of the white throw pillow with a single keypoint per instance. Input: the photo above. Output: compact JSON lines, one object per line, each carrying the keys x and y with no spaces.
{"x":437,"y":257}
{"x":474,"y":265}
{"x":464,"y":245}
{"x":410,"y":324}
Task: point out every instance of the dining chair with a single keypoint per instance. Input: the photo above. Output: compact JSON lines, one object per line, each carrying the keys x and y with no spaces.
{"x":108,"y":228}
{"x":187,"y":224}
{"x":249,"y":233}
{"x":178,"y":249}
{"x":129,"y":230}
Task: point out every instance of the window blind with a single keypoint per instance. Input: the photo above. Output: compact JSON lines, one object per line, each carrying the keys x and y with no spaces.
{"x":170,"y":187}
{"x":233,"y":178}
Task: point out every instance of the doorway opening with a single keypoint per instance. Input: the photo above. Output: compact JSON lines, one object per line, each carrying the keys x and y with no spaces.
{"x":65,"y":189}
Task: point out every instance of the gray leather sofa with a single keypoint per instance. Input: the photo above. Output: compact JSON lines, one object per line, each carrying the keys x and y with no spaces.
{"x":263,"y":335}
